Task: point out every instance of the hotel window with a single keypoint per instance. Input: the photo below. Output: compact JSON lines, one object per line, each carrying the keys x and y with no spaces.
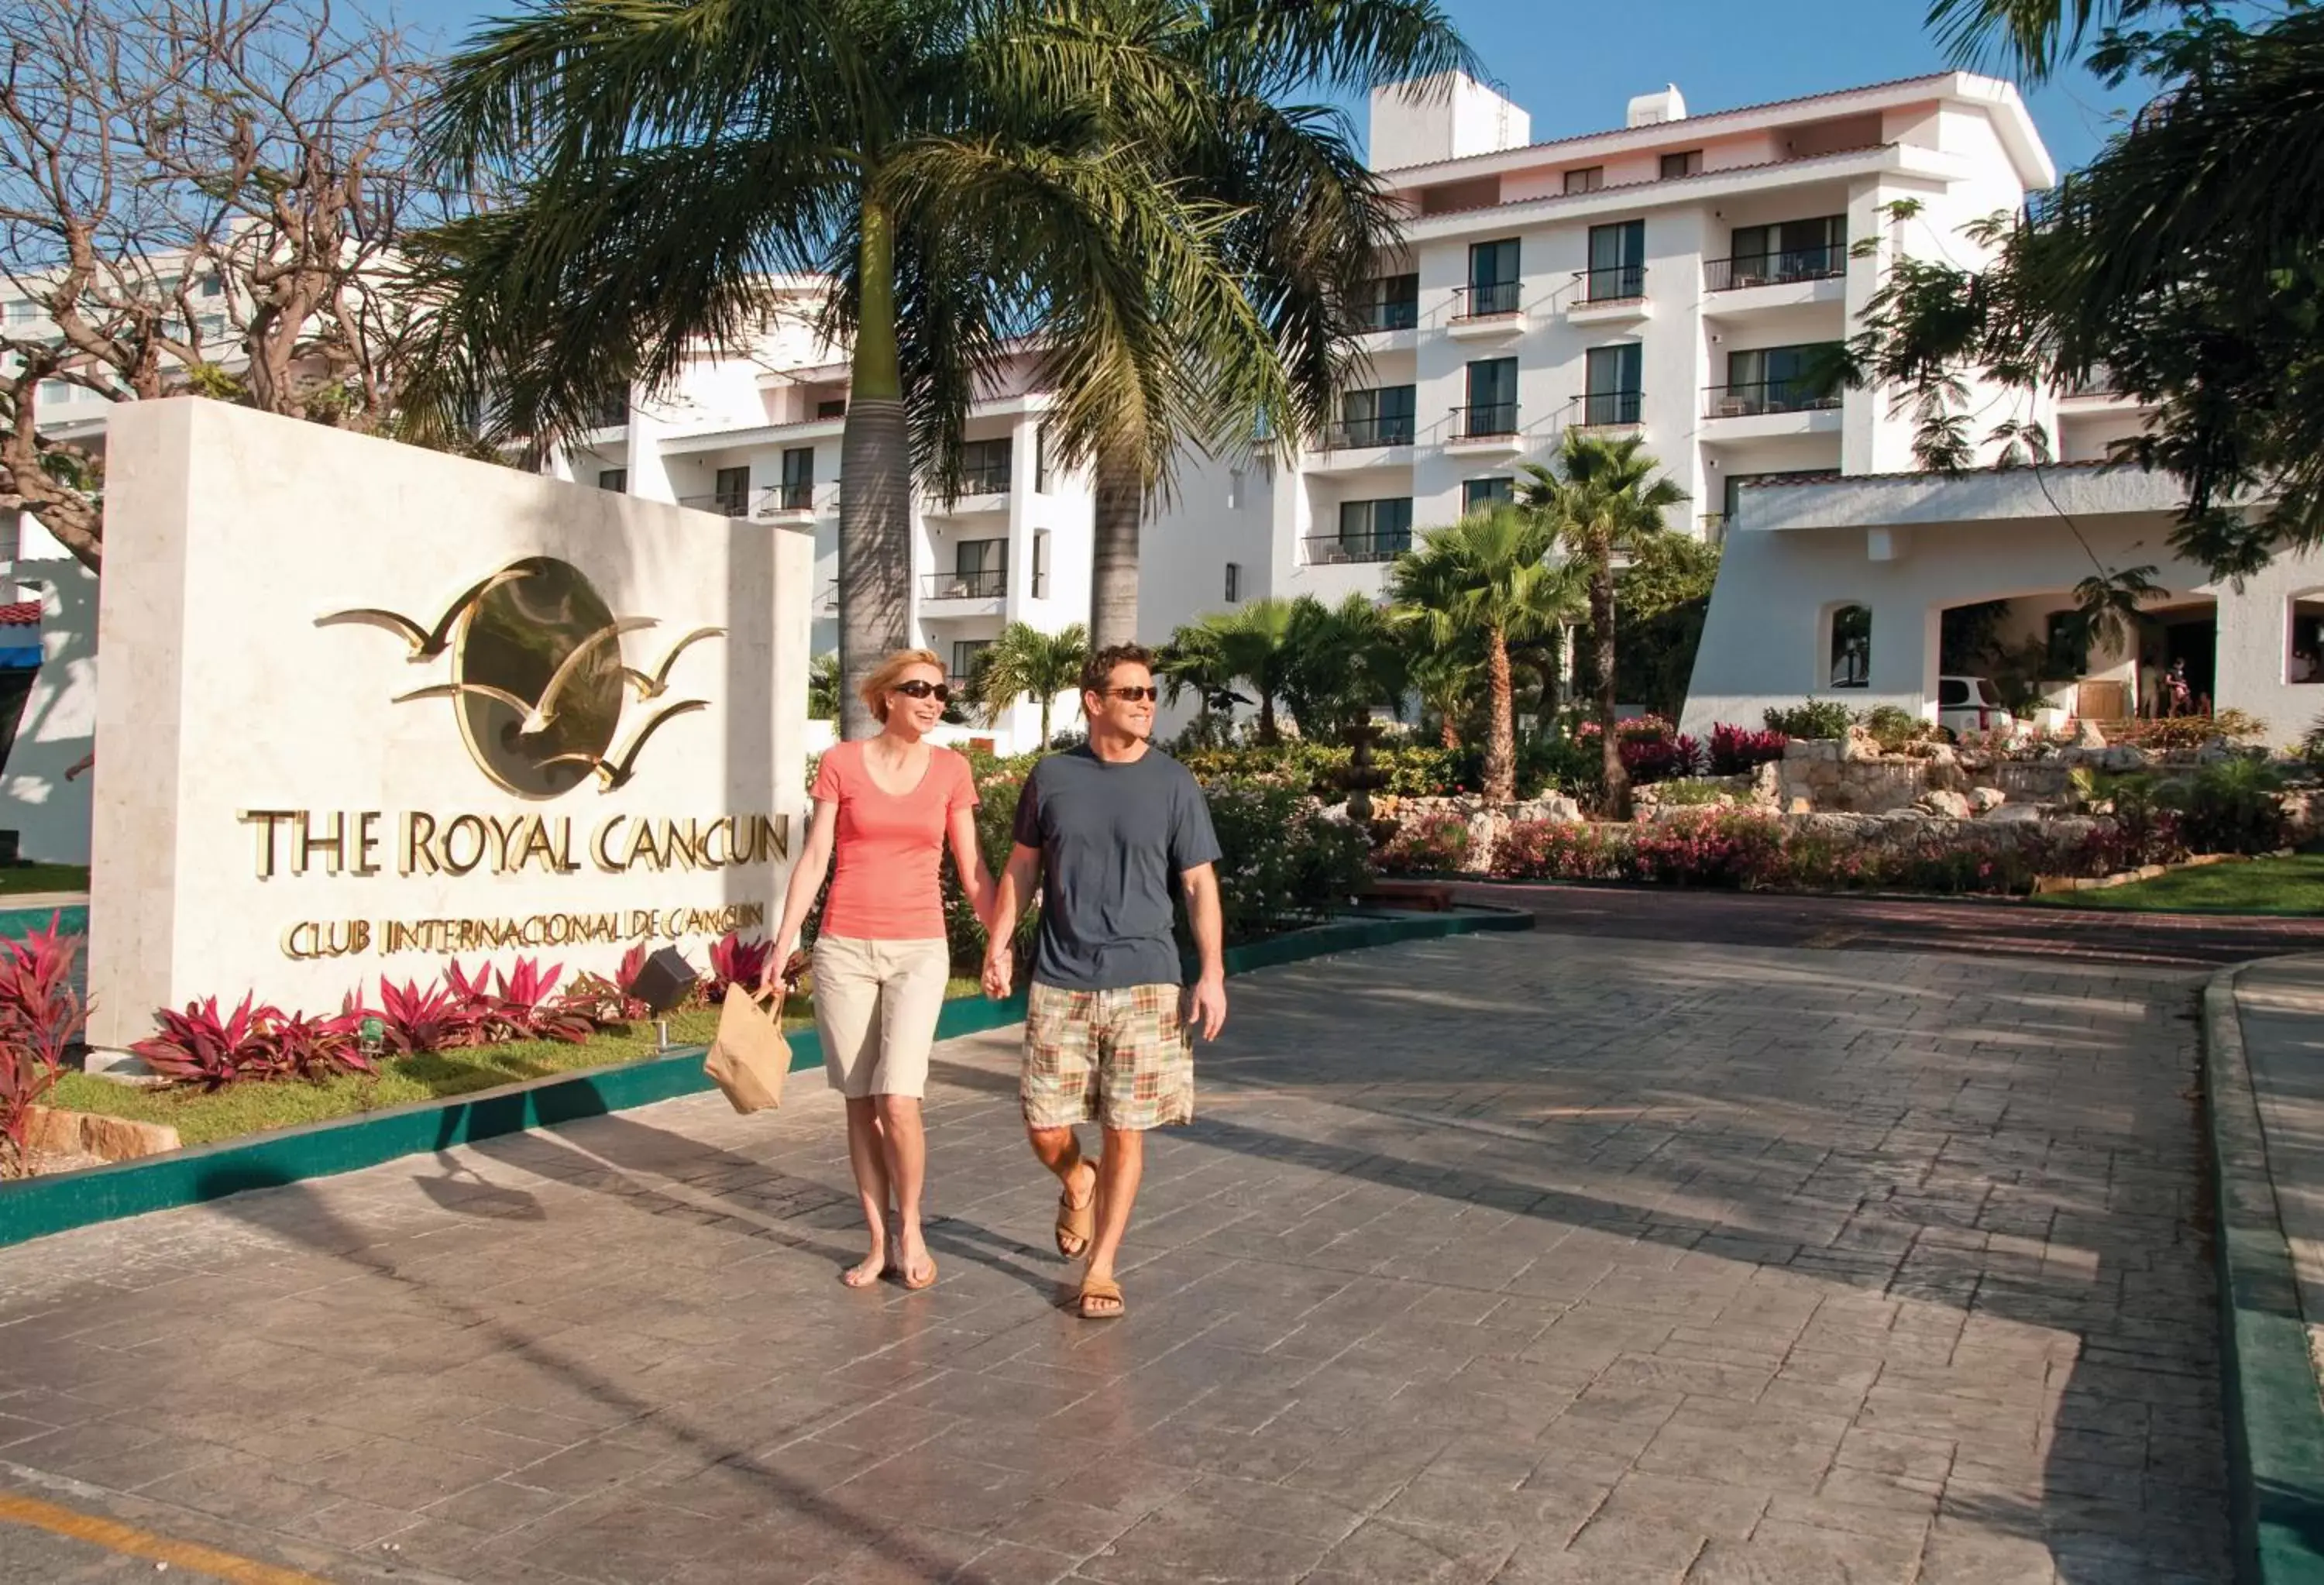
{"x":831,"y":407}
{"x":1492,"y":279}
{"x":2304,"y":662}
{"x":56,"y":391}
{"x":1041,"y":458}
{"x":1780,"y":380}
{"x":1612,"y":393}
{"x":980,"y":570}
{"x":617,"y":480}
{"x":1234,"y":582}
{"x":799,"y":477}
{"x":1796,"y":250}
{"x":1375,"y":530}
{"x":12,"y":534}
{"x":1689,"y":163}
{"x":984,"y":466}
{"x":1851,"y":646}
{"x":1476,"y":494}
{"x":731,"y":492}
{"x":964,"y":655}
{"x":1617,"y":262}
{"x":1040,"y":564}
{"x":1588,"y":180}
{"x":1234,"y":489}
{"x":1380,"y":417}
{"x":23,"y":311}
{"x":1388,"y":302}
{"x":1492,"y":406}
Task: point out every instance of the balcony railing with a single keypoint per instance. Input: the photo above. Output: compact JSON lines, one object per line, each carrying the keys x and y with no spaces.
{"x":989,"y":480}
{"x":1490,"y":420}
{"x":1392,"y":429}
{"x":1774,"y":269}
{"x":1399,"y":313}
{"x":1614,"y":284}
{"x":1768,"y":396}
{"x":828,"y":599}
{"x":1489,"y":300}
{"x":727,"y":502}
{"x":1611,"y":407}
{"x":988,"y":585}
{"x":1713,"y":525}
{"x":797,"y":496}
{"x":1341,"y":550}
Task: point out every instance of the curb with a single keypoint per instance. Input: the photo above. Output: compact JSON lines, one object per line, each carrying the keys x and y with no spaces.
{"x":37,"y":1207}
{"x":2273,"y":1418}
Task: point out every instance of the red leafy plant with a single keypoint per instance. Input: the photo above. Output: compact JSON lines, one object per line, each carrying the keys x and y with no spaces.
{"x":41,"y":1014}
{"x":736,"y":961}
{"x":1735,"y":750}
{"x":523,"y":1007}
{"x":203,"y":1048}
{"x":417,"y":1022}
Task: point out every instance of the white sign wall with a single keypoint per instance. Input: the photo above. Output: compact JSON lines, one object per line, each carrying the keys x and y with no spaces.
{"x":365,"y":706}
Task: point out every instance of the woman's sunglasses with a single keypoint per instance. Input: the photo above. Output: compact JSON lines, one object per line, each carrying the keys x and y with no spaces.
{"x":916,"y":689}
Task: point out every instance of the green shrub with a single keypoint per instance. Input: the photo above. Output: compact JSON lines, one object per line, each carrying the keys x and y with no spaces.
{"x":1282,"y":864}
{"x":2235,"y":806}
{"x":1816,"y":718}
{"x":1688,"y":790}
{"x":1431,"y":844}
{"x":1896,"y":728}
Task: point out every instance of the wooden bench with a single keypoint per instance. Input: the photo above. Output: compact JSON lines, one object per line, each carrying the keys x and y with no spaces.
{"x":1432,"y":896}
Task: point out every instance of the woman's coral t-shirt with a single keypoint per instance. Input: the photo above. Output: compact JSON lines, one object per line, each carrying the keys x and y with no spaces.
{"x":888,"y":847}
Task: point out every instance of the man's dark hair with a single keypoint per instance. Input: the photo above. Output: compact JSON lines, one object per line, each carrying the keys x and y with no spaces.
{"x":1097,"y":672}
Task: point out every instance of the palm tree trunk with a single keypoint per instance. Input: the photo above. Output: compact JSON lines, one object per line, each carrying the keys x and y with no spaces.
{"x":1114,"y":552}
{"x":1044,"y":744}
{"x":1601,"y":632}
{"x":875,"y":486}
{"x":1501,"y":742}
{"x":1267,"y":733}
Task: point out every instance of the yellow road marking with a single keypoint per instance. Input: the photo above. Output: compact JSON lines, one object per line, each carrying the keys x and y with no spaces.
{"x":135,"y":1542}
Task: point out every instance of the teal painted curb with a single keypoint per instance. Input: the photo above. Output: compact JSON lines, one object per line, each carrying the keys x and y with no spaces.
{"x":2274,"y":1420}
{"x":37,"y":1207}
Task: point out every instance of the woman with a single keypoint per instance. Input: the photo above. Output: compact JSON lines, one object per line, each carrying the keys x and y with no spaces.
{"x":884,"y":808}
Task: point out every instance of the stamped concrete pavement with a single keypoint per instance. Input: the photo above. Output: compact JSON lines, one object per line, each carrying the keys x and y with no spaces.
{"x":1520,"y":1258}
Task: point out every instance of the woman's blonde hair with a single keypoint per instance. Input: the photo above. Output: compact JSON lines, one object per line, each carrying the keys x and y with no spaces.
{"x":889,"y":672}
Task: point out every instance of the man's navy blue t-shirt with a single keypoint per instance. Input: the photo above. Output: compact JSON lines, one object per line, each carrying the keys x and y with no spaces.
{"x":1112,"y":838}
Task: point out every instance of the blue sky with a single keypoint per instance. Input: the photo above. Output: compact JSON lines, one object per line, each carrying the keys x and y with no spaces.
{"x":1574,"y":66}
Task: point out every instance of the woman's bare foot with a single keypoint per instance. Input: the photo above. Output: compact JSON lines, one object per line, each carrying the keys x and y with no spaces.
{"x":868,"y":1270}
{"x":915,"y":1264}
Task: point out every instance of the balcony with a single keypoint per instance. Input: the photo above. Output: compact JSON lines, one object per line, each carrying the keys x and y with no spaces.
{"x":1741,"y":274}
{"x":724,"y":502}
{"x":981,"y":490}
{"x":1608,"y":295}
{"x":1768,"y":396}
{"x":1401,"y":313}
{"x":1353,"y":549}
{"x":1492,"y":309}
{"x":1369,"y":434}
{"x":1609,"y":409}
{"x":1487,"y":426}
{"x":827,"y":599}
{"x":990,"y":584}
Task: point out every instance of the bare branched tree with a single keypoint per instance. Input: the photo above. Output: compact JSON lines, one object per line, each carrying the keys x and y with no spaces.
{"x":202,"y":196}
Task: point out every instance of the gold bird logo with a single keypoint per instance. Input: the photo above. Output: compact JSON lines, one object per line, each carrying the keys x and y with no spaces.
{"x":427,"y":643}
{"x":539,"y":680}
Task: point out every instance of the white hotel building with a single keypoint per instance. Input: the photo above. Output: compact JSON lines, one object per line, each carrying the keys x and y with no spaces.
{"x":1675,"y":278}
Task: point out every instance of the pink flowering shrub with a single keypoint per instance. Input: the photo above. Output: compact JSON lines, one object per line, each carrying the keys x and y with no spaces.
{"x":1559,"y":850}
{"x":1706,"y":847}
{"x":1433,"y":845}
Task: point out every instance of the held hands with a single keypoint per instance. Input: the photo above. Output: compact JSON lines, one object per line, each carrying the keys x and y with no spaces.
{"x":999,"y":970}
{"x":1206,"y":1006}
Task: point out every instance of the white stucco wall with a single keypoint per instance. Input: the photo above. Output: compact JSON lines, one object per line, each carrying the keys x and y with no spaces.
{"x":1911,"y":547}
{"x":222,"y":696}
{"x":48,"y":811}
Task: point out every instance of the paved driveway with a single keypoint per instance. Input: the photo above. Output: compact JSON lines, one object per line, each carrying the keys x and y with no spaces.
{"x":1527,"y":1258}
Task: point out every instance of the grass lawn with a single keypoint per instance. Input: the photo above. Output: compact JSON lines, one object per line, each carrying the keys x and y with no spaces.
{"x":250,"y":1109}
{"x":2263,"y":886}
{"x":16,"y":879}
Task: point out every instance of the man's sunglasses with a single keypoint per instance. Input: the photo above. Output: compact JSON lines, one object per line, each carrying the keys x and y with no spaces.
{"x":916,"y":689}
{"x":1133,"y":696}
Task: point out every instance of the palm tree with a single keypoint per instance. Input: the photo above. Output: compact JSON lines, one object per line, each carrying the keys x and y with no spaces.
{"x":1487,"y":575}
{"x":1309,"y":226}
{"x":823,"y":687}
{"x":1343,"y":659}
{"x":1196,"y":658}
{"x":1026,"y":660}
{"x":957,"y":173}
{"x":1254,"y":643}
{"x":1603,"y":498}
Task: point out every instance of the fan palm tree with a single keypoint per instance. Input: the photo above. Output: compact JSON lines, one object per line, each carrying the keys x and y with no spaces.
{"x":1487,"y":575}
{"x":1604,"y":497}
{"x":1026,"y":660}
{"x":959,"y":172}
{"x":1196,"y":658}
{"x":823,"y":687}
{"x":1310,"y":222}
{"x":1344,"y":660}
{"x":1254,"y":644}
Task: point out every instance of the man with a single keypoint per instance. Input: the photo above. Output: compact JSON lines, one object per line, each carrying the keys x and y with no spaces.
{"x":1108,"y":1028}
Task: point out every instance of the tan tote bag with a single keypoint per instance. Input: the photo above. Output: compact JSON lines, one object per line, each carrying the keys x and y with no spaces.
{"x":748,"y":1055}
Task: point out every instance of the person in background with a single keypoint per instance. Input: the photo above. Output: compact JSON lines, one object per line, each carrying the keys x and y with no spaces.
{"x":885,"y":807}
{"x":1104,"y":830}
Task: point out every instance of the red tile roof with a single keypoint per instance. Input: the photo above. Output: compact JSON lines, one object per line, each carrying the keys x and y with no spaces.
{"x":20,"y":613}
